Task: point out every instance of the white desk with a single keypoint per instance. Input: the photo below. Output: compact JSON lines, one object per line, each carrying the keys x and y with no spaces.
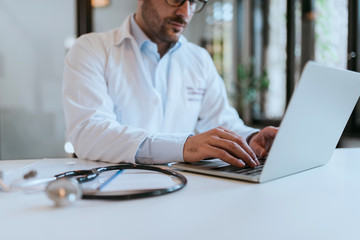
{"x":322,"y":203}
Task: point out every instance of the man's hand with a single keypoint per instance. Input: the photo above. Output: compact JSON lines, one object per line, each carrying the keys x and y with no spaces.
{"x":223,"y":144}
{"x":261,"y":142}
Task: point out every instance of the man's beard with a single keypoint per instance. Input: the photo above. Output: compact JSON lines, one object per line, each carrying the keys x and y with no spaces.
{"x":170,"y":34}
{"x":159,"y":27}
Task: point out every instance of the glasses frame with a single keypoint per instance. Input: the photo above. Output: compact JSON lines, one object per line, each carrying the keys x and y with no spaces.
{"x":179,"y":5}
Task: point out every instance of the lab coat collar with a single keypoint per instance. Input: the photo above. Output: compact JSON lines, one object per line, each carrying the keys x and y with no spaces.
{"x":137,"y":32}
{"x":124,"y":32}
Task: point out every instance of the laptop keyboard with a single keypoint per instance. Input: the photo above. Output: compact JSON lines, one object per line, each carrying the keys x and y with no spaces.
{"x":248,"y":171}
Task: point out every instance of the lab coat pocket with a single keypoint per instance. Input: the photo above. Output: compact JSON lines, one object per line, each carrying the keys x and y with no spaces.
{"x":194,"y":100}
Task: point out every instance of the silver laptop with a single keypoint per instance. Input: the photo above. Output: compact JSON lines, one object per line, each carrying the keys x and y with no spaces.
{"x":309,"y":132}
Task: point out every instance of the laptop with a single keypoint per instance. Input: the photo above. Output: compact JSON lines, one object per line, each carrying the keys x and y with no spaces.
{"x":309,"y":132}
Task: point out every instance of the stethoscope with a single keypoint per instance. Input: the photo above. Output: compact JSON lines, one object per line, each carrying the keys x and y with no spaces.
{"x":65,"y":188}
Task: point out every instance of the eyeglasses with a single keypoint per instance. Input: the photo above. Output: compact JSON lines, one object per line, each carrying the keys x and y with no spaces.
{"x":195,"y":5}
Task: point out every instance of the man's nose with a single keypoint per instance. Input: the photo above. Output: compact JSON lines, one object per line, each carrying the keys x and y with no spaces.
{"x":184,"y":10}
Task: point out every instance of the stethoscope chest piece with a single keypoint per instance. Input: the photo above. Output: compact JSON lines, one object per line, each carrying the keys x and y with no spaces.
{"x":64,"y":191}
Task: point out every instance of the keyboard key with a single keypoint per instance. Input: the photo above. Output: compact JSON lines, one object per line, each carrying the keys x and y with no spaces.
{"x":245,"y":171}
{"x":228,"y":168}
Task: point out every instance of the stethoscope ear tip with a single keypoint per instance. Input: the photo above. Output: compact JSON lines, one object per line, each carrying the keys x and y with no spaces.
{"x":64,"y":191}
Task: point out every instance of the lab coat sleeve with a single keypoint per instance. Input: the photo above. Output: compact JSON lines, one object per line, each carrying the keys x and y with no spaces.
{"x":89,"y":111}
{"x":216,"y":110}
{"x":162,"y":148}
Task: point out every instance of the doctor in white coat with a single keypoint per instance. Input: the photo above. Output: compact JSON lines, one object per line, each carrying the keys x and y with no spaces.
{"x":142,"y":93}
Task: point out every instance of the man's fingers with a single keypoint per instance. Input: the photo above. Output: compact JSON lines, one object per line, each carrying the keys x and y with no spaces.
{"x":233,"y":149}
{"x":259,"y":150}
{"x":219,"y":153}
{"x":226,"y":134}
{"x":219,"y":143}
{"x":263,"y":140}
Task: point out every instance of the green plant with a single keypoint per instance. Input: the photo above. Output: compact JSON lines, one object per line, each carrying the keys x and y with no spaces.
{"x":250,"y":92}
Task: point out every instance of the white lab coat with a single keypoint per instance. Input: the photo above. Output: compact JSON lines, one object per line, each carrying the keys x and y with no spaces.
{"x":111,"y":105}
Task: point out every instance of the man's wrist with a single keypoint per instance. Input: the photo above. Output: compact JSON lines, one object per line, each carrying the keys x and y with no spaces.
{"x":248,"y":139}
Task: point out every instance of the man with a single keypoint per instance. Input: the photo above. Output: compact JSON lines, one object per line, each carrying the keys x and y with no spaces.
{"x":138,"y":94}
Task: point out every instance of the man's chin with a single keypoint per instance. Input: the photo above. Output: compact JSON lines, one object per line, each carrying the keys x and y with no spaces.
{"x":176,"y":38}
{"x":171,"y":35}
{"x":175,"y":35}
{"x":173,"y":38}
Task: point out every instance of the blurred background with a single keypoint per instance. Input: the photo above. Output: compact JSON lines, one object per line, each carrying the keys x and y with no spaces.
{"x":259,"y":47}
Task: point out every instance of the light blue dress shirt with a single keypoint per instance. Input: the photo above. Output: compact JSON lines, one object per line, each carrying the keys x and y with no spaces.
{"x":153,"y":146}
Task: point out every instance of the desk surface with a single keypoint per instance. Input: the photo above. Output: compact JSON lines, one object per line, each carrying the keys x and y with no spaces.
{"x":322,"y":203}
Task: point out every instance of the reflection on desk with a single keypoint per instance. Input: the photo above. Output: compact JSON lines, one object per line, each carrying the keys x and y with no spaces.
{"x":322,"y":203}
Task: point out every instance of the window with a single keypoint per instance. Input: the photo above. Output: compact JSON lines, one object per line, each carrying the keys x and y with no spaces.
{"x":276,"y":60}
{"x":331,"y":32}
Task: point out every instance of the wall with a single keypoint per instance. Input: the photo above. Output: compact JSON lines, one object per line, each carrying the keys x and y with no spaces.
{"x":31,"y":64}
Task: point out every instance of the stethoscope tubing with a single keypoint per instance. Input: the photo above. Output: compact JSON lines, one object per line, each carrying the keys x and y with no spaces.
{"x":89,"y":175}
